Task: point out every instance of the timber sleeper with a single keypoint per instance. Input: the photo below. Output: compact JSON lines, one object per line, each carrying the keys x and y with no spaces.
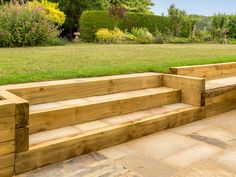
{"x":64,"y":113}
{"x":57,"y":145}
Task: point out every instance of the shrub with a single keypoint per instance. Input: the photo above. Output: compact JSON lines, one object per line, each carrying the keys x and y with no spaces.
{"x":232,"y":41}
{"x":142,"y":35}
{"x":205,"y":36}
{"x":51,"y":10}
{"x":177,"y":40}
{"x":91,"y":21}
{"x":159,"y":38}
{"x":105,"y":35}
{"x":25,"y":25}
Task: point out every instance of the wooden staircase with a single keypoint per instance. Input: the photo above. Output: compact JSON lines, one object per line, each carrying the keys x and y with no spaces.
{"x":74,"y":117}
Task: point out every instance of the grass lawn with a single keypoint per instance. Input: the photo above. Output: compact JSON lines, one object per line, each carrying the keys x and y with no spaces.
{"x":18,"y":65}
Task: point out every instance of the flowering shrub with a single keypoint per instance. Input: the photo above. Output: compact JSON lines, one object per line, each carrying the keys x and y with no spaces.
{"x":105,"y":35}
{"x":25,"y":25}
{"x":142,"y":35}
{"x":51,"y":10}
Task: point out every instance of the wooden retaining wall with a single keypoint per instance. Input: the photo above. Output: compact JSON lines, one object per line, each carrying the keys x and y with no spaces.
{"x":192,"y":89}
{"x":211,"y":71}
{"x":14,"y":132}
{"x":14,"y":109}
{"x":220,"y":100}
{"x":7,"y":137}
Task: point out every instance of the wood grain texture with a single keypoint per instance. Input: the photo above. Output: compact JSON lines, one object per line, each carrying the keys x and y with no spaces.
{"x":44,"y":92}
{"x":59,"y":150}
{"x":7,"y":135}
{"x":220,"y":95}
{"x":7,"y":108}
{"x":211,"y":71}
{"x":7,"y":171}
{"x":71,"y":115}
{"x":192,"y":89}
{"x":7,"y":160}
{"x":7,"y":147}
{"x":220,"y":100}
{"x":22,"y":139}
{"x":21,"y":108}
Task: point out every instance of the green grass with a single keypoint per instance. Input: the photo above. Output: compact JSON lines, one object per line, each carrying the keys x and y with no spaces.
{"x":18,"y":65}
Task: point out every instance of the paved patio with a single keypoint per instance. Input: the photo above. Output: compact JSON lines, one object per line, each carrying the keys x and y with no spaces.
{"x":205,"y":148}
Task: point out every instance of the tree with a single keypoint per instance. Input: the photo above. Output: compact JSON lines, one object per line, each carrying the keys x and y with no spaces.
{"x":232,"y":26}
{"x":220,"y":26}
{"x":74,"y":8}
{"x":117,"y":13}
{"x":177,"y":17}
{"x":141,"y":6}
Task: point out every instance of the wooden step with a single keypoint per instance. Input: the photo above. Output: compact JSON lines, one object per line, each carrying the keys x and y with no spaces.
{"x":70,"y":112}
{"x":52,"y":91}
{"x":220,"y":83}
{"x":57,"y":145}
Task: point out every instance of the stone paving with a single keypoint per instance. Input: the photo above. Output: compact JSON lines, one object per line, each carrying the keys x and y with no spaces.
{"x":205,"y":148}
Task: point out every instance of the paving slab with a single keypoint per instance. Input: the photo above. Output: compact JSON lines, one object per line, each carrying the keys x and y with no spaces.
{"x":227,"y":158}
{"x":118,"y":151}
{"x":206,"y":148}
{"x":162,"y":145}
{"x":192,"y":155}
{"x":147,"y":166}
{"x":225,"y":121}
{"x":213,"y":136}
{"x":206,"y":169}
{"x":191,"y":128}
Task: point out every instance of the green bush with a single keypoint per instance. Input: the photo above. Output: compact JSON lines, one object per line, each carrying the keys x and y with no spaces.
{"x":159,"y":38}
{"x":205,"y":36}
{"x":232,"y":41}
{"x":142,"y":35}
{"x":92,"y":21}
{"x":107,"y":36}
{"x":177,"y":40}
{"x":24,"y":25}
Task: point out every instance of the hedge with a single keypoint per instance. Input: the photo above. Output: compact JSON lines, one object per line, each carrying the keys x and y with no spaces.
{"x":91,"y":21}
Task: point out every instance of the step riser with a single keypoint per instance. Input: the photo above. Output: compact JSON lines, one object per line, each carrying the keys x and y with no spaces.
{"x":45,"y":92}
{"x":43,"y":121}
{"x":39,"y":156}
{"x":220,"y":100}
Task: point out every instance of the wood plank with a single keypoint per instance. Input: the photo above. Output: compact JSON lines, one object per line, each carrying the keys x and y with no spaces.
{"x":63,"y":149}
{"x":211,"y":71}
{"x":221,"y":107}
{"x":22,"y":139}
{"x":7,"y":109}
{"x":7,"y":123}
{"x":7,"y":171}
{"x":7,"y":160}
{"x":7,"y":135}
{"x":7,"y":129}
{"x":7,"y":147}
{"x":21,"y":108}
{"x":71,"y":115}
{"x":53,"y":91}
{"x":220,"y":95}
{"x":192,"y":89}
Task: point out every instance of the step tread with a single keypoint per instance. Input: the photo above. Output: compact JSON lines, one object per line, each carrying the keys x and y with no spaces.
{"x":38,"y":139}
{"x":79,"y":80}
{"x":96,"y":99}
{"x":219,"y":83}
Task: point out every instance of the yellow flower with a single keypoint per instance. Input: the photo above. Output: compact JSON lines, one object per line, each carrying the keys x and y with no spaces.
{"x":51,"y":10}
